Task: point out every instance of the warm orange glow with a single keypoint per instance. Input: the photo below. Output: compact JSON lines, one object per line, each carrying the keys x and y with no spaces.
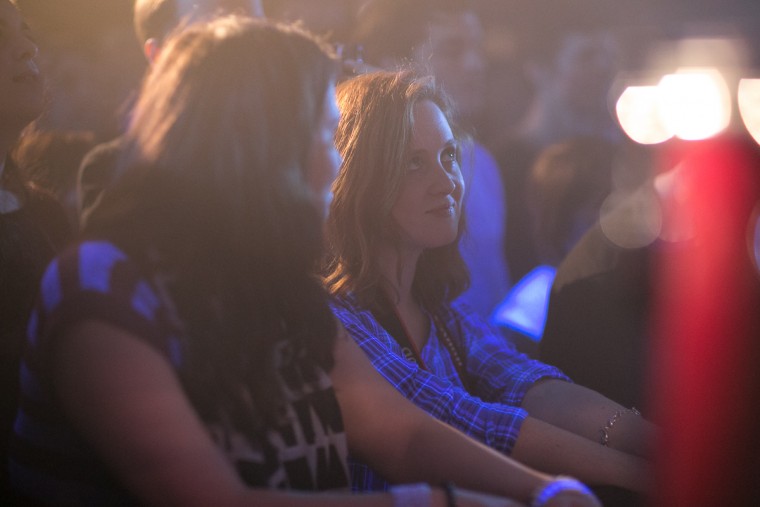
{"x":638,"y":114}
{"x":749,"y":105}
{"x":694,"y":103}
{"x":633,"y":223}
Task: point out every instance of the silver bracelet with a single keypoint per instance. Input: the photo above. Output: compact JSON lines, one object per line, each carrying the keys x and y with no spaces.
{"x":412,"y":495}
{"x":604,"y":431}
{"x":556,"y":486}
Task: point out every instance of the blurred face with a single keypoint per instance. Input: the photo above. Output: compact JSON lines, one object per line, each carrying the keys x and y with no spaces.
{"x":454,"y":51}
{"x":245,"y":7}
{"x":324,"y":160}
{"x":192,"y":11}
{"x":250,"y":7}
{"x":429,"y":203}
{"x":585,"y":68}
{"x":21,"y":89}
{"x":322,"y":16}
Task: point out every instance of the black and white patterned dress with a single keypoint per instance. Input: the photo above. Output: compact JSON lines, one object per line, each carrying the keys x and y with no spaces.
{"x":51,"y":464}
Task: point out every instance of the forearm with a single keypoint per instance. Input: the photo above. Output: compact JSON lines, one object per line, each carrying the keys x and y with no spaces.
{"x":557,"y":451}
{"x":436,"y":453}
{"x":271,"y":498}
{"x":494,"y":424}
{"x":405,"y":444}
{"x":585,"y":412}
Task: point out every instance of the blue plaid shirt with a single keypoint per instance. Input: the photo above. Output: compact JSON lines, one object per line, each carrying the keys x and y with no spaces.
{"x":498,"y":377}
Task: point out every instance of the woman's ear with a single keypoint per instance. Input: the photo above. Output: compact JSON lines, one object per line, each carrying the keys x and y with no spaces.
{"x":151,"y":48}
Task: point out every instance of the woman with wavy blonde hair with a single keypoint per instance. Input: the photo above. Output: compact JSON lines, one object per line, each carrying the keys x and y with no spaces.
{"x":394,"y":269}
{"x":377,"y":126}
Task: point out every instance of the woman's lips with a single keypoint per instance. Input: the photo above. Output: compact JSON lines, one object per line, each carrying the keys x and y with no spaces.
{"x":28,"y":76}
{"x":445,"y":210}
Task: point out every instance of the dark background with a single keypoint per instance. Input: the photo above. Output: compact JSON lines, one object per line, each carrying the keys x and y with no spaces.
{"x":93,"y":61}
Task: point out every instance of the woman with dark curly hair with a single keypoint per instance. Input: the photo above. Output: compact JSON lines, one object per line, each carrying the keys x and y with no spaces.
{"x":33,"y":224}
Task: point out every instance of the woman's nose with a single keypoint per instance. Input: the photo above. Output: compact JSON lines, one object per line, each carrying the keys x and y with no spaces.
{"x":444,"y":181}
{"x":27,"y":50}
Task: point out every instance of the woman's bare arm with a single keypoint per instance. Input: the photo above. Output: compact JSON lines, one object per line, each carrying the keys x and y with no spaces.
{"x":584,"y":412}
{"x":405,"y":444}
{"x":554,"y":450}
{"x":125,"y":399}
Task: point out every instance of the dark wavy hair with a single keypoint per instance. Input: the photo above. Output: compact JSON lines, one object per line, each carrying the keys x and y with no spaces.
{"x":212,"y":198}
{"x":373,"y":136}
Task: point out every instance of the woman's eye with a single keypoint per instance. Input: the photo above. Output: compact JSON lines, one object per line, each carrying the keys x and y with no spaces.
{"x":415,"y":163}
{"x":449,"y":155}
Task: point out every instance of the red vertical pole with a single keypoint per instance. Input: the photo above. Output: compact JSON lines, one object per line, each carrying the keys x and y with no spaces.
{"x":705,"y":386}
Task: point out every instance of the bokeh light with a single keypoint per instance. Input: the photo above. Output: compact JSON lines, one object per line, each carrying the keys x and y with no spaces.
{"x":638,"y":113}
{"x":695,"y":103}
{"x":749,"y":106}
{"x":632,"y":221}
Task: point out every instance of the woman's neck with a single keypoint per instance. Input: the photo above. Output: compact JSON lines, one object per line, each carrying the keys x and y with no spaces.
{"x":398,"y":268}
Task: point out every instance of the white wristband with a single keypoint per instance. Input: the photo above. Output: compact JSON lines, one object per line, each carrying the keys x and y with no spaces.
{"x":556,"y":486}
{"x":412,"y":495}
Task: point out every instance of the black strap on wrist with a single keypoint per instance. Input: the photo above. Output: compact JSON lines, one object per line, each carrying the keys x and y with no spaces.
{"x":451,"y":499}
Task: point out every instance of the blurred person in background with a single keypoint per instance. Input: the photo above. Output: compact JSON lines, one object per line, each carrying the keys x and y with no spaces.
{"x":571,"y":74}
{"x":33,"y":224}
{"x":568,"y":186}
{"x":91,"y":63}
{"x":332,"y":19}
{"x":51,"y":159}
{"x":597,"y":324}
{"x":153,"y":20}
